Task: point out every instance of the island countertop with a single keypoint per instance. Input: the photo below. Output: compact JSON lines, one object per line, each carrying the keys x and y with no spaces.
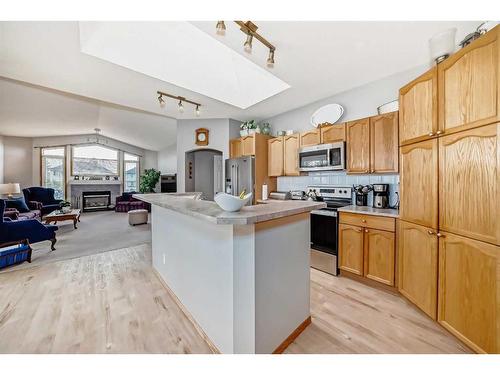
{"x":188,"y":204}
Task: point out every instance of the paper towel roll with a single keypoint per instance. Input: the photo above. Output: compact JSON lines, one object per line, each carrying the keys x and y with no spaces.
{"x":264,"y":192}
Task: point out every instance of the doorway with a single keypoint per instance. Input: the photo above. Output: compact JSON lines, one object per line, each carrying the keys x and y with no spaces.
{"x":204,"y":172}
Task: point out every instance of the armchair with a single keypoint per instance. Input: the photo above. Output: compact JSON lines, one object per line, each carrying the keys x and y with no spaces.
{"x":32,"y":230}
{"x":42,"y":198}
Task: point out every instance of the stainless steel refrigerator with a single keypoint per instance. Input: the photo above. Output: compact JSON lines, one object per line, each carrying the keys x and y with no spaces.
{"x":240,"y":175}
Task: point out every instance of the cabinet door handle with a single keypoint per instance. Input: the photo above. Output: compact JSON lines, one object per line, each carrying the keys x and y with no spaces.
{"x":372,"y":171}
{"x":363,"y":220}
{"x":440,"y":235}
{"x":430,"y":232}
{"x":431,"y":134}
{"x":359,"y":230}
{"x":366,"y":230}
{"x":367,"y":171}
{"x":439,"y":132}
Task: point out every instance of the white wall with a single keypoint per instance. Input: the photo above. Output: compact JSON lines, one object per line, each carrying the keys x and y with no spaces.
{"x":218,"y":140}
{"x":358,"y":103}
{"x":18,"y":161}
{"x":1,"y":159}
{"x":167,"y":160}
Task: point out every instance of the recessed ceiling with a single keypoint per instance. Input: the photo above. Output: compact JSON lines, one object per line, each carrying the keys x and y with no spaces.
{"x":317,"y":59}
{"x":181,"y":54}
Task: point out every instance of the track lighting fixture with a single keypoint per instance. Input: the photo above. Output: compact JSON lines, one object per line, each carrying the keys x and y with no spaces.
{"x":161,"y":101}
{"x":221,"y":28}
{"x":181,"y":107}
{"x":250,"y":30}
{"x":270,"y":59}
{"x":248,"y":44}
{"x":180,"y":104}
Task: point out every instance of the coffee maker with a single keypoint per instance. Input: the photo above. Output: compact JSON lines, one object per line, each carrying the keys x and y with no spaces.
{"x":381,"y":195}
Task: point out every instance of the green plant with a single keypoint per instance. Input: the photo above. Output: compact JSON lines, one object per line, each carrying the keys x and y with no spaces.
{"x":149,"y":180}
{"x":64,"y":204}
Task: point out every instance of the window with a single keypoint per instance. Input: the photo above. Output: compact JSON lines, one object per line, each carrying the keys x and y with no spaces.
{"x":94,"y":160}
{"x":131,"y":172}
{"x":54,"y":171}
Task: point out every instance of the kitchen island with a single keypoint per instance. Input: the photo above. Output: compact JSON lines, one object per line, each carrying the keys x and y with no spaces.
{"x":241,"y":277}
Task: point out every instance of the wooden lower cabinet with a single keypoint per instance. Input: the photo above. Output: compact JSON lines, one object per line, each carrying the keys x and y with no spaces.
{"x":367,"y":252}
{"x":351,"y":249}
{"x":418,"y":265}
{"x":379,"y":255}
{"x":469,"y":291}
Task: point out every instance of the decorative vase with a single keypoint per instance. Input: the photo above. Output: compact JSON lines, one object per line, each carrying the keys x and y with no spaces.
{"x":266,"y":129}
{"x":251,"y":131}
{"x":66,"y":209}
{"x":243,"y":132}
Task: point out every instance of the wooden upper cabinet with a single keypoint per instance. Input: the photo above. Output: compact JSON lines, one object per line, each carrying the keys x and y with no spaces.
{"x":332,"y":133}
{"x":384,"y":150}
{"x":469,"y":202}
{"x":351,"y":249}
{"x":418,"y":265}
{"x":291,"y":155}
{"x":235,"y":148}
{"x":248,"y":145}
{"x":469,"y":85}
{"x":469,"y":295}
{"x":419,"y":183}
{"x":418,"y":110}
{"x":275,"y":156}
{"x":310,"y":138}
{"x":358,"y":146}
{"x":379,"y":255}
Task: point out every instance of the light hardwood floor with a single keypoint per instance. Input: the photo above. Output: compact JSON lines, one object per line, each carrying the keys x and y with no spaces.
{"x":114,"y":303}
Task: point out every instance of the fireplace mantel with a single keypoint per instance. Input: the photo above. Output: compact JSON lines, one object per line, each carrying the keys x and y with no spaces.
{"x":94,"y":182}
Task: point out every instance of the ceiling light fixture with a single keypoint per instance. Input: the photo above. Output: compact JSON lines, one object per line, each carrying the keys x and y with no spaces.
{"x":270,"y":59}
{"x":220,"y":28}
{"x":248,"y":44}
{"x":161,"y":101}
{"x":180,"y":104}
{"x":250,"y":29}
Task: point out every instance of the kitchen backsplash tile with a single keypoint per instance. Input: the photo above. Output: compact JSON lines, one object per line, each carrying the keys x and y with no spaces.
{"x":340,"y":178}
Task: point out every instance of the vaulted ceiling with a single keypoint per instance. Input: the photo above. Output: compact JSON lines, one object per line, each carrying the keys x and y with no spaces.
{"x":126,"y":63}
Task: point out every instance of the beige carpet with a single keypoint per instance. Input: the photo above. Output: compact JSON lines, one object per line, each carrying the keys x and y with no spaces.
{"x":97,"y":232}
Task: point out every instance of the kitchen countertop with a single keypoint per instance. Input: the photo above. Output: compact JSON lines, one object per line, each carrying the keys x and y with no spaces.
{"x":188,"y":204}
{"x":367,"y":210}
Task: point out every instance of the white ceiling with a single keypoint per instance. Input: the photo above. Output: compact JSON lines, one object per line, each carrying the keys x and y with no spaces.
{"x":317,"y":59}
{"x":31,"y":111}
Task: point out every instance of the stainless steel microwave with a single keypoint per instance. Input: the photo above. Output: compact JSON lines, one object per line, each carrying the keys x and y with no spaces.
{"x":327,"y":157}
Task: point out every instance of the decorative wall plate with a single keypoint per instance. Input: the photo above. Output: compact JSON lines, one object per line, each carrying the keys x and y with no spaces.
{"x":328,"y":114}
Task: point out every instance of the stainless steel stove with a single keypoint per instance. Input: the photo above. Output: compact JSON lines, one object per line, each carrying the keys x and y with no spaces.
{"x":324,"y":225}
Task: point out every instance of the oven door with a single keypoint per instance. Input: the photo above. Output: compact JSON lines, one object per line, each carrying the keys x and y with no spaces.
{"x":324,"y":231}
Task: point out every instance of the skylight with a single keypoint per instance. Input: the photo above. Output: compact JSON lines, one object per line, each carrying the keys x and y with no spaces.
{"x":181,"y":54}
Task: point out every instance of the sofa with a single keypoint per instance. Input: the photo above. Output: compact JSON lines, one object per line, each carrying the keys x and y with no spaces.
{"x":126,"y":203}
{"x":30,"y":229}
{"x":43,"y":198}
{"x":33,"y":213}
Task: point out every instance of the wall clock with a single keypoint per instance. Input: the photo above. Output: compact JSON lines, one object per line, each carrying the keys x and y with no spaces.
{"x":201,"y":138}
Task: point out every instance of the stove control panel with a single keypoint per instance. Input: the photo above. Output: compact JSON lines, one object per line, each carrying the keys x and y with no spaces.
{"x":330,"y":191}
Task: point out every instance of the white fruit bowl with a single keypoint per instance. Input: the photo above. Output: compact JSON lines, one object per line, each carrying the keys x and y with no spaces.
{"x":231,"y":203}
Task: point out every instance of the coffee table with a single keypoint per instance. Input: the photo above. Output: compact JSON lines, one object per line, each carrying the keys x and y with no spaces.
{"x":57,"y":215}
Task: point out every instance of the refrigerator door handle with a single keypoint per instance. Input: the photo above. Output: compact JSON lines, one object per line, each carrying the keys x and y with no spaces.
{"x":237,"y":180}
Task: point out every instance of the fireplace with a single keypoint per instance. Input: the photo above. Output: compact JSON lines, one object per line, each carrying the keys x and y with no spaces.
{"x":96,"y":200}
